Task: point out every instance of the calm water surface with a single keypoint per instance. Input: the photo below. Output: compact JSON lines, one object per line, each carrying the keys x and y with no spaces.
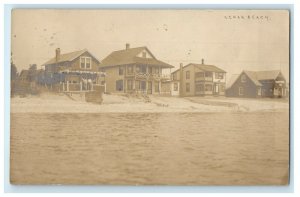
{"x":150,"y":148}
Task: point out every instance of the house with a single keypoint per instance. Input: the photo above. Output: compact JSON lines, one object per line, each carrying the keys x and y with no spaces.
{"x":77,"y":71}
{"x":133,"y":70}
{"x":253,"y":84}
{"x":198,"y":80}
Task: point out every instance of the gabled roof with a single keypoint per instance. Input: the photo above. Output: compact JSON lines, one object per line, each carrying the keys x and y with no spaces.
{"x":253,"y":77}
{"x":232,"y":80}
{"x":204,"y":67}
{"x":257,"y":76}
{"x":68,"y":57}
{"x":267,"y":75}
{"x":129,"y":56}
{"x":24,"y":73}
{"x":209,"y":68}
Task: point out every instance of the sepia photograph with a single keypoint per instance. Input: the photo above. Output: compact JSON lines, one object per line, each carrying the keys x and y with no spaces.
{"x":180,"y":97}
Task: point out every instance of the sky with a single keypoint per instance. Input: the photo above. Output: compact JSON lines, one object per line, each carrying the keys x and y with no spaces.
{"x":233,"y":40}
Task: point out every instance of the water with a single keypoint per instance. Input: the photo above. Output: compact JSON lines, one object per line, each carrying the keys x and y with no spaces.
{"x":150,"y":148}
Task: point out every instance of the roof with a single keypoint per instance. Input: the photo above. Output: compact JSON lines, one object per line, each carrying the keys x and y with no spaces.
{"x":24,"y":73}
{"x":267,"y":75}
{"x":67,"y":57}
{"x":204,"y":67}
{"x":232,"y":80}
{"x":257,"y":76}
{"x":209,"y":68}
{"x":252,"y":75}
{"x":129,"y":56}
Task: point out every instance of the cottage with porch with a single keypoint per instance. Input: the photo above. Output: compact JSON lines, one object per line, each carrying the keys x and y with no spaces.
{"x":73,"y":72}
{"x":198,"y":80}
{"x":133,"y":70}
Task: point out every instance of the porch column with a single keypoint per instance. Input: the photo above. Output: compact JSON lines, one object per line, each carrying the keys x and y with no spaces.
{"x":146,"y":86}
{"x":153,"y":86}
{"x":133,"y":85}
{"x":80,"y":85}
{"x":124,"y":85}
{"x":67,"y":86}
{"x":159,"y":86}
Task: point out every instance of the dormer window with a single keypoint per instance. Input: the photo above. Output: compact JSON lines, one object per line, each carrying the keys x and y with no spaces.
{"x":88,"y":63}
{"x":144,"y":54}
{"x":85,"y":62}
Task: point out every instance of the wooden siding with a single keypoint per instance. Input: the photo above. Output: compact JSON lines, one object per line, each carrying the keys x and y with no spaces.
{"x":75,"y":64}
{"x":250,"y":89}
{"x":112,"y":75}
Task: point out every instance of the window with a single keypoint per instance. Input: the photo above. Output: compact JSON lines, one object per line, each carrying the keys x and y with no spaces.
{"x":85,"y":62}
{"x":129,"y":84}
{"x":208,"y":74}
{"x":141,"y":68}
{"x":137,"y":68}
{"x":156,"y":86}
{"x":199,"y":74}
{"x":187,"y":87}
{"x":119,"y":85}
{"x":187,"y":74}
{"x":156,"y":70}
{"x":175,"y":86}
{"x":243,"y":78}
{"x":121,"y":70}
{"x":199,"y":87}
{"x":241,"y":91}
{"x":174,"y":76}
{"x":137,"y":85}
{"x":82,"y":62}
{"x":208,"y":87}
{"x":88,"y":63}
{"x":130,"y":69}
{"x":144,"y":54}
{"x":143,"y":85}
{"x":219,"y":75}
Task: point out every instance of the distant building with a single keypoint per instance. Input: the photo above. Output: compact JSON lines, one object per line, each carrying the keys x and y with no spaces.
{"x":24,"y":76}
{"x":133,"y":70}
{"x":198,"y":80}
{"x":72,"y":72}
{"x":253,"y":84}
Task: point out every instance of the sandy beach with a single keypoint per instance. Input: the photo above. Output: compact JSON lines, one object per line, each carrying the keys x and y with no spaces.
{"x":54,"y":103}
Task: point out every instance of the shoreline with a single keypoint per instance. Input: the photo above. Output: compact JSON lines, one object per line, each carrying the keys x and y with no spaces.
{"x":54,"y":103}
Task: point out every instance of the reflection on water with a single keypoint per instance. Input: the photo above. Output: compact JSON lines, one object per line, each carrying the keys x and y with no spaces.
{"x":150,"y":148}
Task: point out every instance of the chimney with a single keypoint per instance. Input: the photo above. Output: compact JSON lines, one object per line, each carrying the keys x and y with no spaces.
{"x":202,"y":61}
{"x":127,"y":46}
{"x":57,"y":54}
{"x":181,"y":80}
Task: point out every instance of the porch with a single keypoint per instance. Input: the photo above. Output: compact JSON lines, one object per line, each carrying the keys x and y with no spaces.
{"x":142,"y":86}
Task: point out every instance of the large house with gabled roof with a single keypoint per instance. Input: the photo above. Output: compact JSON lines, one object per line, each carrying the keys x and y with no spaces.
{"x":76,"y":71}
{"x":133,"y":70}
{"x":198,"y":80}
{"x":256,"y":84}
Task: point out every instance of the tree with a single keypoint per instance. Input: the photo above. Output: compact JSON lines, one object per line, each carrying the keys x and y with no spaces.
{"x":32,"y":72}
{"x":13,"y":69}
